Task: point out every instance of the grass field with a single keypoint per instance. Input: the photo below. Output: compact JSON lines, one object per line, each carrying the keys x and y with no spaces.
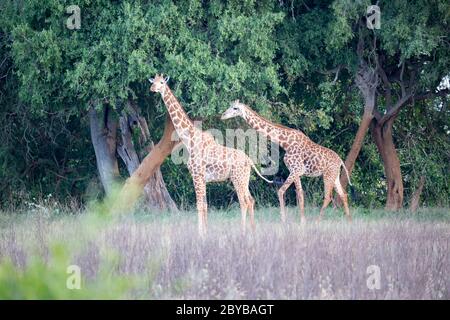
{"x":144,"y":256}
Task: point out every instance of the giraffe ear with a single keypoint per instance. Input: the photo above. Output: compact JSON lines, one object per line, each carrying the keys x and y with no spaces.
{"x":166,"y":79}
{"x":151,"y":80}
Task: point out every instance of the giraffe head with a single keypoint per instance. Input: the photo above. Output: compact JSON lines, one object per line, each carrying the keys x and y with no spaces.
{"x":236,"y":109}
{"x":159,"y":83}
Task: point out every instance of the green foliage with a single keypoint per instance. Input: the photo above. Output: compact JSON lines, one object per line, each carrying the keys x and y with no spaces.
{"x":420,"y":157}
{"x":47,"y":280}
{"x":276,"y":56}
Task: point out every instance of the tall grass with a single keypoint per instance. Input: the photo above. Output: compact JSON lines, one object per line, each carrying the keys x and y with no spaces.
{"x":146,"y":256}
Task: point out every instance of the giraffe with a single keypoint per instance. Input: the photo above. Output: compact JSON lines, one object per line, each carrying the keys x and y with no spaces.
{"x":208,"y":161}
{"x":303,"y":157}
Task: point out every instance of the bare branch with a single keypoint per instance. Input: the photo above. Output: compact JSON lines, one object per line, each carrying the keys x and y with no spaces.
{"x":360,"y":46}
{"x":334,"y":71}
{"x":337,"y":75}
{"x":306,"y":6}
{"x":402,"y":84}
{"x":430,"y":95}
{"x":386,"y":83}
{"x":392,"y":112}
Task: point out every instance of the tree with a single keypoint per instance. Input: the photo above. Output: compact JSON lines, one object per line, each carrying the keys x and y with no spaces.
{"x":139,"y":178}
{"x":88,"y":71}
{"x":397,"y":65}
{"x":406,"y":60}
{"x":59,"y":67}
{"x":311,"y":65}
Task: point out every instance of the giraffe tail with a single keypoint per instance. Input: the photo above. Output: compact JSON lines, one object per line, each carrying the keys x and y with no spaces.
{"x":346,"y":172}
{"x":259,"y":174}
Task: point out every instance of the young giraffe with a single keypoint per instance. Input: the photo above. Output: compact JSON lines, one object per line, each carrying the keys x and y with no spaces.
{"x":303,"y":158}
{"x":208,"y":161}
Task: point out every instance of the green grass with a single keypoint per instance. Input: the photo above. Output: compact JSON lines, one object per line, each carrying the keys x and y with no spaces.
{"x":272,"y":214}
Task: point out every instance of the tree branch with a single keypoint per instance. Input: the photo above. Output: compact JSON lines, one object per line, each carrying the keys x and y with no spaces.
{"x":334,"y":71}
{"x":430,"y":95}
{"x":392,"y":112}
{"x":386,"y":83}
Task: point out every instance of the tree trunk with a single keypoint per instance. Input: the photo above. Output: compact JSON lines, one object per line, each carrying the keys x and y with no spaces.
{"x":103,"y":135}
{"x":142,"y":175}
{"x":382,"y":135}
{"x":415,"y":198}
{"x":366,"y":80}
{"x":356,"y":146}
{"x":156,"y":195}
{"x":125,"y":146}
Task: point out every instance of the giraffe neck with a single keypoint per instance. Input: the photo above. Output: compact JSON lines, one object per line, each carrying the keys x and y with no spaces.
{"x":181,"y":122}
{"x":276,"y":133}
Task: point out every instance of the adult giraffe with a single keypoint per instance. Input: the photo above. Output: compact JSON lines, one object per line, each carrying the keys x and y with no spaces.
{"x":303,"y":158}
{"x":208,"y":161}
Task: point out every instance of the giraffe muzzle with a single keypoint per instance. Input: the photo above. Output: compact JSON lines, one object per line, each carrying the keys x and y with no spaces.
{"x":225,"y":116}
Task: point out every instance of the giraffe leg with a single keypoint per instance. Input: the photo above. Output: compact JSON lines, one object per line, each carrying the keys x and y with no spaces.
{"x":248,"y":197}
{"x":242,"y":203}
{"x":202,"y":206}
{"x":251,"y":209}
{"x":300,"y":199}
{"x":341,"y":193}
{"x":281,"y":192}
{"x":328,"y":189}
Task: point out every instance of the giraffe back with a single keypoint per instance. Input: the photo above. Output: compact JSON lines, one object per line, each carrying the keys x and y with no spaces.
{"x":309,"y":158}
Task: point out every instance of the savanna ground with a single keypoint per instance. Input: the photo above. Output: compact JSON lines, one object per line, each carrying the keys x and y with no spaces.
{"x":148,"y":256}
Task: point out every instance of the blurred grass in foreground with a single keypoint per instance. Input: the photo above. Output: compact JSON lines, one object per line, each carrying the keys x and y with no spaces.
{"x":159,"y":256}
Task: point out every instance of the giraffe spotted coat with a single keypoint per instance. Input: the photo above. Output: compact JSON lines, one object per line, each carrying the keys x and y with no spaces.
{"x":208,"y":161}
{"x":303,"y":157}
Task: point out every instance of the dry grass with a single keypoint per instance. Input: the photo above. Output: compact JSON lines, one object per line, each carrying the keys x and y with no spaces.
{"x":328,"y":260}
